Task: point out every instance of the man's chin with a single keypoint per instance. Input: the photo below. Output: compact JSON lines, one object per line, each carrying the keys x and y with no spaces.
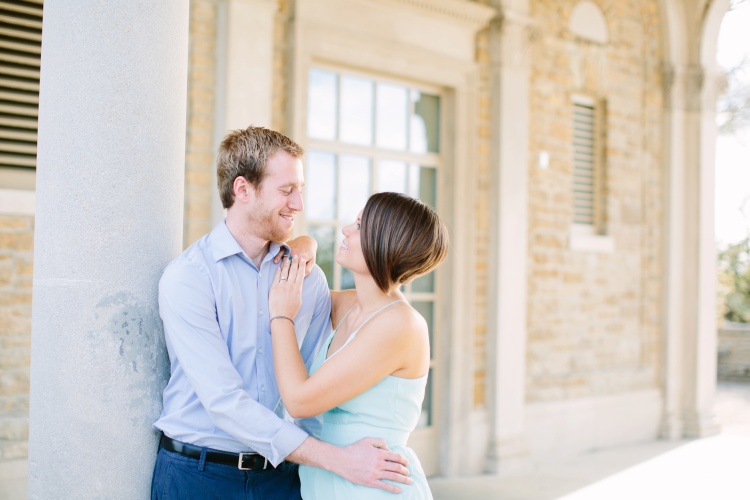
{"x":282,"y":236}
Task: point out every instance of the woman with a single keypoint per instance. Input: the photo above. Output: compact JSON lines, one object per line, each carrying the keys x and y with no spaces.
{"x":369,"y":377}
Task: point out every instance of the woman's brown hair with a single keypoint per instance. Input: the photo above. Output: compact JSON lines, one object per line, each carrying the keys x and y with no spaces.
{"x":401,"y":238}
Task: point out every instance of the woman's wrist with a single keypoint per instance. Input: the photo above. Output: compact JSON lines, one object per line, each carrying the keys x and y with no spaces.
{"x":281,"y":317}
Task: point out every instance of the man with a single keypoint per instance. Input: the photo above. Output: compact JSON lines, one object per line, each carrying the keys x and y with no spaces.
{"x":222,"y":431}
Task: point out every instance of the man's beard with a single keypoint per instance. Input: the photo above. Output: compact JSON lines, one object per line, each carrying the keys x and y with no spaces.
{"x":266,"y":226}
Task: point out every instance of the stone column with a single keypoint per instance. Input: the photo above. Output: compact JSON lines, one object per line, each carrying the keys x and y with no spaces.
{"x":108,"y":219}
{"x":700,"y":256}
{"x":690,"y":322}
{"x":674,"y":222}
{"x":509,"y":34}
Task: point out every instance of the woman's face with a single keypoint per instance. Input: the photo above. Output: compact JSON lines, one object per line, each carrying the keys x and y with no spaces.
{"x":350,"y":252}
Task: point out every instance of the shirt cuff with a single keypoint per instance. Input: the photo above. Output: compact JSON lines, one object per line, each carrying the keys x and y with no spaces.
{"x":288,"y":439}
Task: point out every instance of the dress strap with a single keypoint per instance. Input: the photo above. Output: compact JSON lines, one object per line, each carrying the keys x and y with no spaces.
{"x":342,"y":319}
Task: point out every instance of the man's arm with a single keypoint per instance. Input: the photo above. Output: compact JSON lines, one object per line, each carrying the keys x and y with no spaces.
{"x":197,"y":348}
{"x":367,"y":462}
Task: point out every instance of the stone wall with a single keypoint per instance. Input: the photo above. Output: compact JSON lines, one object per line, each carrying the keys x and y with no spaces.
{"x":734,"y":352}
{"x":16,"y":249}
{"x":594,"y":318}
{"x":199,"y":147}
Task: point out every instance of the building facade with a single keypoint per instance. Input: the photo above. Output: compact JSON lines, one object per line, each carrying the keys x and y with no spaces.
{"x":567,"y":144}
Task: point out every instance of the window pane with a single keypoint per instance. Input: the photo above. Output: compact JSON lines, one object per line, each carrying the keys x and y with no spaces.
{"x":392,"y":106}
{"x":425,"y":123}
{"x":424,"y":284}
{"x":426,"y":308}
{"x":392,"y":176}
{"x":320,"y":185}
{"x":354,"y":186}
{"x":321,"y":105}
{"x":425,"y":418}
{"x":325,"y":236}
{"x":356,"y":110}
{"x":423,"y":184}
{"x":347,"y":279}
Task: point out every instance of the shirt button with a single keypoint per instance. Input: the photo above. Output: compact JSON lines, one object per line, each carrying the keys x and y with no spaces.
{"x":260,"y":275}
{"x":260,"y":350}
{"x":262,"y":387}
{"x":260,"y":312}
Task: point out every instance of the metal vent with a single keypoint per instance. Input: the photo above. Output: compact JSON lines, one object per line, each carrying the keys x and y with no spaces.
{"x":584,"y":164}
{"x":20,"y":54}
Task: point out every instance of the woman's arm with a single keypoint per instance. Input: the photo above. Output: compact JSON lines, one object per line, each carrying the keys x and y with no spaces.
{"x":385,"y":345}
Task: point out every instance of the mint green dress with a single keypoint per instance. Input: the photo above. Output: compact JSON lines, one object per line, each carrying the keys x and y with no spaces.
{"x":389,"y":410}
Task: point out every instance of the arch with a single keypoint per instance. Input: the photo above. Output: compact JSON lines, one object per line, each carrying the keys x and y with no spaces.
{"x":587,"y":21}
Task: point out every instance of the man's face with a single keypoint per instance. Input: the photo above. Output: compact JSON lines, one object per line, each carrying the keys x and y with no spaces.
{"x":279,"y":198}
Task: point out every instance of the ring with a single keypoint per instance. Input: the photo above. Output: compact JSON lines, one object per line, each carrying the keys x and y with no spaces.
{"x":282,"y":279}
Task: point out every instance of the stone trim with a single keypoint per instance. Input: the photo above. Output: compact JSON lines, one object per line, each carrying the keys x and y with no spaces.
{"x":468,"y":12}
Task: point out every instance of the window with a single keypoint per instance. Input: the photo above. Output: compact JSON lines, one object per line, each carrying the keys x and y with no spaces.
{"x":588,"y":196}
{"x":367,"y":135}
{"x":20,"y":53}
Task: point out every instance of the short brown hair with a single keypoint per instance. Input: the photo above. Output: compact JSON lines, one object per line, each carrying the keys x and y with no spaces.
{"x":245,"y":153}
{"x":401,"y":238}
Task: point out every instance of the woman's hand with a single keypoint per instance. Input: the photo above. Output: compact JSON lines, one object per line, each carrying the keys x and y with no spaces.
{"x":305,"y":247}
{"x":285,"y":297}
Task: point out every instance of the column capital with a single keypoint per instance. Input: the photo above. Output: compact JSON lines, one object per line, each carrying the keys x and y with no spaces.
{"x":511,"y":35}
{"x":683,"y":86}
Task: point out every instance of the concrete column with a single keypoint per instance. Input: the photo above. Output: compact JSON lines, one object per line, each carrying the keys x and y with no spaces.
{"x":244,"y":70}
{"x":674,"y":236}
{"x":690,"y":326}
{"x":508,"y":453}
{"x":109,"y":206}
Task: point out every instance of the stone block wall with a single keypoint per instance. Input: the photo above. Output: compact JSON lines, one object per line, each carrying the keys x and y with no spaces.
{"x":734,"y":352}
{"x":594,"y":317}
{"x":199,"y":141}
{"x":482,"y":205}
{"x":16,"y":250}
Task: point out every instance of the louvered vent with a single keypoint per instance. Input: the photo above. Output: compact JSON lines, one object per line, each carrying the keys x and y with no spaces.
{"x":20,"y":53}
{"x":584,"y":164}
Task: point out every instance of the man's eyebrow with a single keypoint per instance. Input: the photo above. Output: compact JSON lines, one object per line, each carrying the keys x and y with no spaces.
{"x":292,"y":184}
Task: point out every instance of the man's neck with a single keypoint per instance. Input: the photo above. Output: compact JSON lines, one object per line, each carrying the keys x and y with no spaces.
{"x":254,"y":247}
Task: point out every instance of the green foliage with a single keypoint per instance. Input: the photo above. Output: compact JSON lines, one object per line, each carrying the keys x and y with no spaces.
{"x":733,"y":105}
{"x":734,"y":281}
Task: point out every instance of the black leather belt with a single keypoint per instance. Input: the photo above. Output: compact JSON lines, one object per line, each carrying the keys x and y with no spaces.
{"x":243,"y":461}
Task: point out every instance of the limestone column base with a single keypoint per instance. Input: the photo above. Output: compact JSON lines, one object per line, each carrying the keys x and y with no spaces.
{"x":509,"y":457}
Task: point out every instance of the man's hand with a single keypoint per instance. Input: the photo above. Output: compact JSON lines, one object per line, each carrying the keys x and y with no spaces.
{"x":368,"y":462}
{"x":305,"y":247}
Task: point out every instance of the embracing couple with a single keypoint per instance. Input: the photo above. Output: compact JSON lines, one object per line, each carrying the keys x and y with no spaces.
{"x":252,"y":330}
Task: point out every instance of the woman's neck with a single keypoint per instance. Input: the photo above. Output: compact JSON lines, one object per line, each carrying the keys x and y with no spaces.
{"x":370,"y":297}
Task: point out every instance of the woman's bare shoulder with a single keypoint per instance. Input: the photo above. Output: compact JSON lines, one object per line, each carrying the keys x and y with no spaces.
{"x":410,"y":319}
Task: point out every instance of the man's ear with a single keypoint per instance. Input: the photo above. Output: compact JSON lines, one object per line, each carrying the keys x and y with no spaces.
{"x":244,"y":192}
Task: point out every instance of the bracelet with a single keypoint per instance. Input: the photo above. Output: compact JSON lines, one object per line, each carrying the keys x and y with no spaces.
{"x":281,"y":317}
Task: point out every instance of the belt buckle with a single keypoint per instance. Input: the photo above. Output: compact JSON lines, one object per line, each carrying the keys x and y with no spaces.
{"x":242,"y":455}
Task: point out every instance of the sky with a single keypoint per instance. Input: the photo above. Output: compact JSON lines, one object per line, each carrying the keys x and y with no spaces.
{"x":733,"y":151}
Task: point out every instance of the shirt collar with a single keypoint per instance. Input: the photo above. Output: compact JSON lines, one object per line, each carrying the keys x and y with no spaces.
{"x":224,"y":244}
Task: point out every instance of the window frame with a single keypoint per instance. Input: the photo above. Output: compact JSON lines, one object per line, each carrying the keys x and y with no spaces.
{"x":592,"y":237}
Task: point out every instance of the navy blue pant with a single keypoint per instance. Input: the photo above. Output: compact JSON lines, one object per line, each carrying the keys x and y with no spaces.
{"x":178,"y":477}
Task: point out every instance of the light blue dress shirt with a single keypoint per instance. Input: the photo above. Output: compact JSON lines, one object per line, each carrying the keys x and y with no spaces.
{"x":222,"y":391}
